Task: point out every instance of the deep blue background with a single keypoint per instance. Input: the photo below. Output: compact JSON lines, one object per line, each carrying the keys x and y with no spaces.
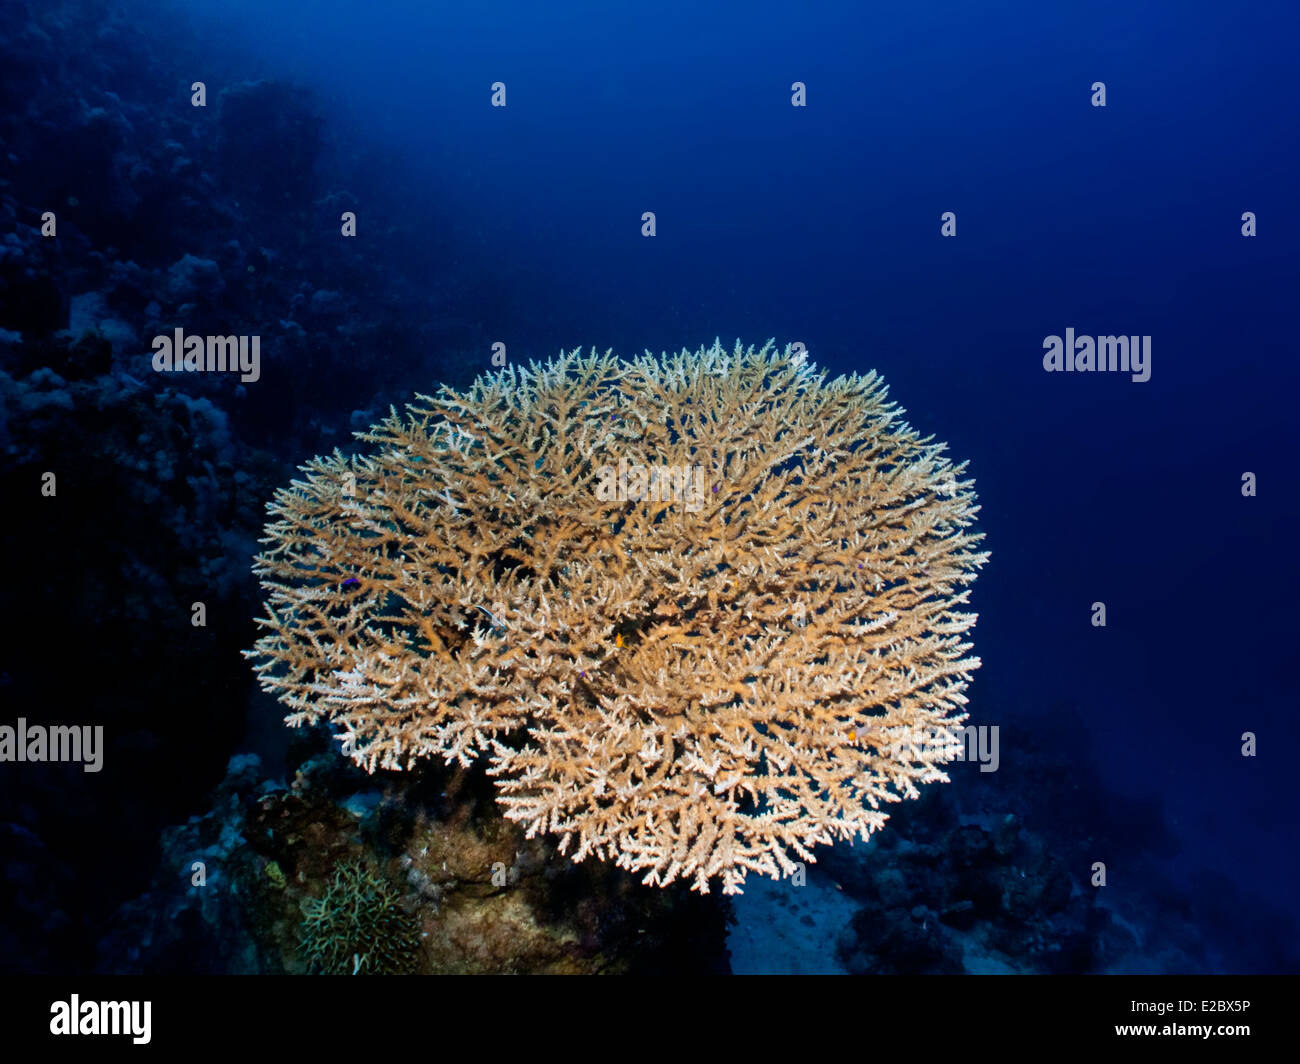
{"x":821,"y":224}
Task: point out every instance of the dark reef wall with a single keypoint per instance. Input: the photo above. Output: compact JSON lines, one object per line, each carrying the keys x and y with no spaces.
{"x":217,"y":220}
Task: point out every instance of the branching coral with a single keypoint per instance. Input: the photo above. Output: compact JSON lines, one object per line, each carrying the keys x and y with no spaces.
{"x":358,"y":927}
{"x":699,"y":612}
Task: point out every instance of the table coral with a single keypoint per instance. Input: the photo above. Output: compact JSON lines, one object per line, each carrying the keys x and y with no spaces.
{"x":699,"y":613}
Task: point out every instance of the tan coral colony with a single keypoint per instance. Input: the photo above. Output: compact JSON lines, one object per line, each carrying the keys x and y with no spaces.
{"x":699,"y":613}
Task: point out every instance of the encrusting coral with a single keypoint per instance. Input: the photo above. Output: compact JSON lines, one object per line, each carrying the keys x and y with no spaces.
{"x":700,"y":613}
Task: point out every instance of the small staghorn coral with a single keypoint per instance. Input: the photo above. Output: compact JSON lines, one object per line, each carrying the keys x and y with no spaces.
{"x":358,"y":927}
{"x":700,"y":613}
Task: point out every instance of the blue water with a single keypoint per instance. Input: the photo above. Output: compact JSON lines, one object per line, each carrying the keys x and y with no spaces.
{"x":821,"y":224}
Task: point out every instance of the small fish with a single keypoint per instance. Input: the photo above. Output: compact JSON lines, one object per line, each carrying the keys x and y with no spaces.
{"x":351,"y":581}
{"x":497,"y":623}
{"x":618,"y":641}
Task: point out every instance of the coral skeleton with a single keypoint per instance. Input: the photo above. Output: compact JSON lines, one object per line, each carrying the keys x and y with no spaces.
{"x":692,"y":692}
